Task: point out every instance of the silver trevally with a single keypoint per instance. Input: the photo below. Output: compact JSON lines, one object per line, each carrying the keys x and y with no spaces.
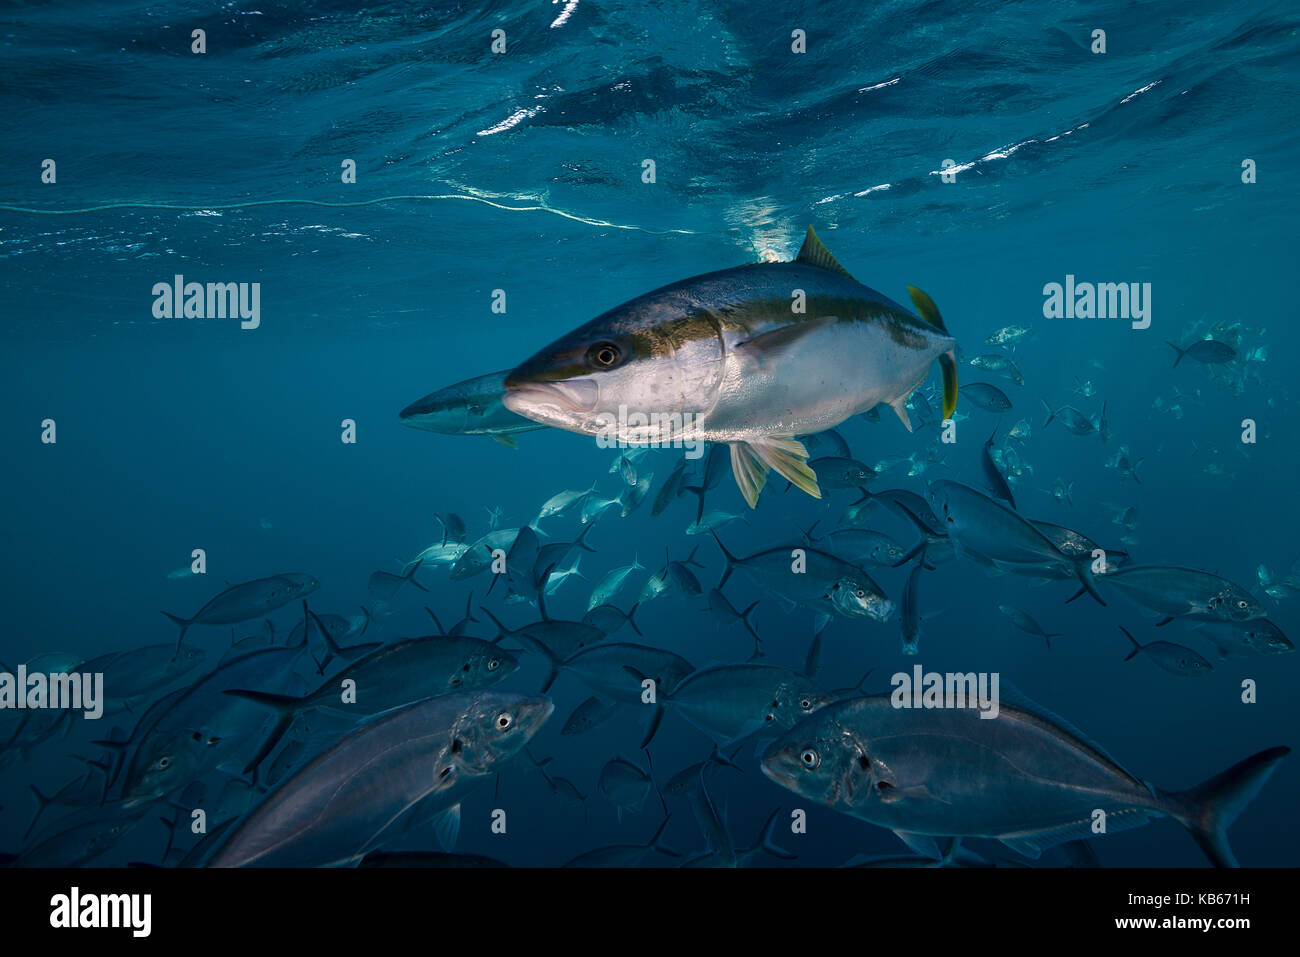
{"x":1185,"y":593}
{"x":472,"y":407}
{"x":1174,"y":658}
{"x":730,"y":702}
{"x":417,"y":760}
{"x":249,"y":600}
{"x":985,"y":528}
{"x":727,"y":357}
{"x":1025,"y":778}
{"x":814,"y":579}
{"x":1259,"y":635}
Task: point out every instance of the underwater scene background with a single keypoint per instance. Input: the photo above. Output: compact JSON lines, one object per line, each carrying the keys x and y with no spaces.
{"x":485,"y":177}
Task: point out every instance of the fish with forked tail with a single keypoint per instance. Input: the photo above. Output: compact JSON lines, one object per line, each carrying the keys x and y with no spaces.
{"x":730,"y":357}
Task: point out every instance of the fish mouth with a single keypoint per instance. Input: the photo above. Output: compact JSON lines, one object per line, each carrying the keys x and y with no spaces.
{"x":564,"y":395}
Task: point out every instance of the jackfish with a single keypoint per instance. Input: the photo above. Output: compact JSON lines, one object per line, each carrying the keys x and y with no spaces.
{"x":728,"y":357}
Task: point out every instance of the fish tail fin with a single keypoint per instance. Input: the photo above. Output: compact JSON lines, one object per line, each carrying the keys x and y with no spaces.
{"x":1210,"y":808}
{"x":410,"y":576}
{"x":698,"y":492}
{"x":42,"y":802}
{"x":1083,"y":568}
{"x":731,"y":560}
{"x":1050,"y":414}
{"x":1181,"y":353}
{"x":948,"y":361}
{"x":1137,"y":648}
{"x":182,"y":623}
{"x":502,"y":631}
{"x":436,"y":623}
{"x":652,"y":728}
{"x":332,"y":649}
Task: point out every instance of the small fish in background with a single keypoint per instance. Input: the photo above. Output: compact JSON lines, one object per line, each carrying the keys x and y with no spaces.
{"x":1062,"y":491}
{"x":1124,"y":465}
{"x":714,"y":519}
{"x":243,"y":602}
{"x":1124,"y":516}
{"x":631,"y":497}
{"x":1006,"y":335}
{"x":1174,"y":658}
{"x":609,"y":618}
{"x":495,"y":514}
{"x":264,"y":525}
{"x":590,"y":714}
{"x":1205,"y":351}
{"x":561,"y":503}
{"x":625,"y":785}
{"x":1025,"y":622}
{"x":186,"y":571}
{"x":1021,"y":431}
{"x":1176,"y":592}
{"x":453,"y":527}
{"x":1074,"y":421}
{"x":1084,"y":388}
{"x":999,"y":365}
{"x":595,"y":505}
{"x":610,"y":585}
{"x":985,"y":396}
{"x":1240,"y":639}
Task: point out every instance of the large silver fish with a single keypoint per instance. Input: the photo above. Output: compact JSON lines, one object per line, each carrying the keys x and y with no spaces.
{"x":724,"y":357}
{"x":1024,"y":778}
{"x":417,"y":760}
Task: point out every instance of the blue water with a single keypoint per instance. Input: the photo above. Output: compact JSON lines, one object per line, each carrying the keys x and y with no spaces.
{"x":523,"y":172}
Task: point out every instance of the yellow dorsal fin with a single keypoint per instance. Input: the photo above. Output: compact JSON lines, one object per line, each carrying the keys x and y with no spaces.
{"x":815,"y":254}
{"x":928,"y":310}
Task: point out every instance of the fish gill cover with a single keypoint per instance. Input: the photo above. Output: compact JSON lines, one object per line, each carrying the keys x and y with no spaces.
{"x":638,"y":435}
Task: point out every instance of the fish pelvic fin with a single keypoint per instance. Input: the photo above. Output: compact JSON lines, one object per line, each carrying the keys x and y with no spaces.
{"x":1209,"y":809}
{"x":787,"y":456}
{"x":899,"y":405}
{"x":509,"y":441}
{"x":750,"y":473}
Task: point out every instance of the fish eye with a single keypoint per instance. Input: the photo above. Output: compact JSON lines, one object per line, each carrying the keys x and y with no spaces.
{"x":1242,"y":604}
{"x":164,"y":763}
{"x":493,"y":665}
{"x":805,"y":704}
{"x":504,"y":720}
{"x":861,"y":593}
{"x":445,"y":771}
{"x":810,"y":758}
{"x":604,"y":354}
{"x":769,"y":717}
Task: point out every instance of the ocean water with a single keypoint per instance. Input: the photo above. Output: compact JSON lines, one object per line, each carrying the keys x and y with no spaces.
{"x":524,"y":172}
